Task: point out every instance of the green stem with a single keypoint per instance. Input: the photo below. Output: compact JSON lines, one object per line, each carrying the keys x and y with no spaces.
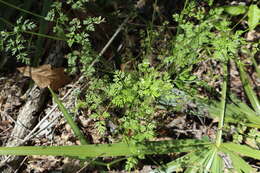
{"x":20,"y":9}
{"x":240,"y":21}
{"x":43,"y":35}
{"x":181,"y":16}
{"x":34,"y":33}
{"x":114,"y":162}
{"x":222,"y":106}
{"x":6,"y":21}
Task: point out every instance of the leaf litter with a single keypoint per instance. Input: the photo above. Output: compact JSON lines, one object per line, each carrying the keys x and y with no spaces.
{"x":46,"y":76}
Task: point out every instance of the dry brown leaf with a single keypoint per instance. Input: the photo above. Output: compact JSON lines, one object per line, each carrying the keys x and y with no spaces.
{"x":45,"y":76}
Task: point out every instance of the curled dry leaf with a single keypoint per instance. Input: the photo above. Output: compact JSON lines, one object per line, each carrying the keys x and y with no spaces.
{"x":45,"y":76}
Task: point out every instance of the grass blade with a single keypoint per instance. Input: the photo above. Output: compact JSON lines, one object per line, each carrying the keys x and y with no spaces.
{"x":243,"y":150}
{"x":20,"y":9}
{"x":235,"y":112}
{"x":223,"y":105}
{"x":257,"y":69}
{"x":69,"y":119}
{"x":217,"y":165}
{"x":210,"y":159}
{"x":248,"y":88}
{"x":109,"y":150}
{"x":204,"y":162}
{"x":181,"y":162}
{"x":238,"y":163}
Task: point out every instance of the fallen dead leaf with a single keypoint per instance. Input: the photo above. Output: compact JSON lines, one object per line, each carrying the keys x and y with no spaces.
{"x":45,"y":76}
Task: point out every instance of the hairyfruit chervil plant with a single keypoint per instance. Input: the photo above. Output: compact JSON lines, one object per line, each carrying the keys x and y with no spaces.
{"x":133,"y":94}
{"x":74,"y":31}
{"x":146,"y":83}
{"x":129,"y":90}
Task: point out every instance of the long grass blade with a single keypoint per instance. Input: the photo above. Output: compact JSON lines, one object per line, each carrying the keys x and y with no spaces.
{"x":248,"y":88}
{"x":235,"y":112}
{"x":210,"y":160}
{"x":238,"y":164}
{"x":198,"y":165}
{"x":109,"y":150}
{"x":243,"y":150}
{"x":217,"y":164}
{"x":20,"y":9}
{"x":223,"y":105}
{"x":181,"y":162}
{"x":69,"y":119}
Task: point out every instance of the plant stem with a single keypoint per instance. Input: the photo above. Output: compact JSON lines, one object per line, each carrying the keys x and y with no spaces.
{"x":34,"y":33}
{"x":20,"y":9}
{"x":44,"y":35}
{"x":6,"y":21}
{"x":222,"y":105}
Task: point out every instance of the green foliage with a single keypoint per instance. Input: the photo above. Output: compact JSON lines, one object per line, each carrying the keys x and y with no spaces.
{"x":101,"y":121}
{"x":235,"y":9}
{"x":253,"y":13}
{"x":136,"y":93}
{"x":76,"y":32}
{"x":131,"y":163}
{"x":253,"y":16}
{"x":129,"y":98}
{"x":15,"y":42}
{"x":250,"y":136}
{"x":213,"y":41}
{"x":77,"y":4}
{"x":96,"y":102}
{"x":201,"y":36}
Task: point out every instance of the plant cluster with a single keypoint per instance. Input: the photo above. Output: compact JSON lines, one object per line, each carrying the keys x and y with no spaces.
{"x":76,"y":33}
{"x":129,"y":99}
{"x":135,"y":94}
{"x":15,"y":42}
